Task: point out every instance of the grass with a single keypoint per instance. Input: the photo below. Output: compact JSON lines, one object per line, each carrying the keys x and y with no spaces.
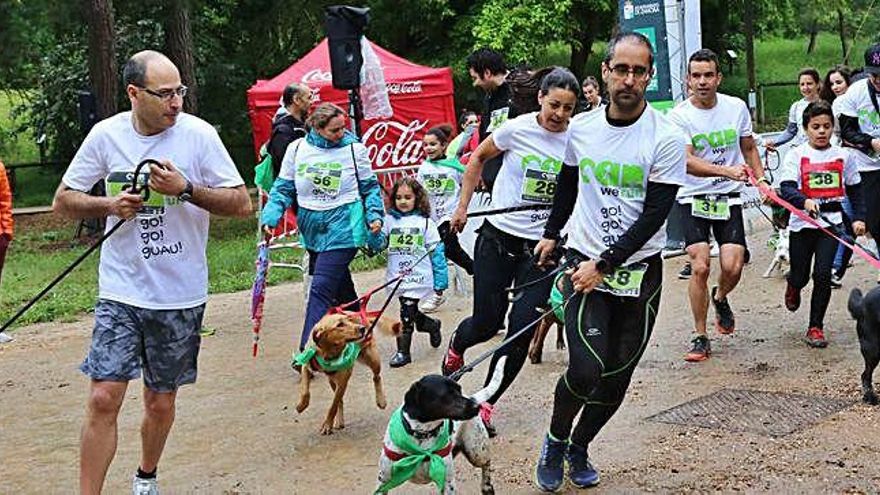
{"x":16,"y":149}
{"x":43,"y":247}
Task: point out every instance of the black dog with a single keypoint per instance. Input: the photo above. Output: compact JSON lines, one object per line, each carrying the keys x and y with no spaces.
{"x":866,"y":311}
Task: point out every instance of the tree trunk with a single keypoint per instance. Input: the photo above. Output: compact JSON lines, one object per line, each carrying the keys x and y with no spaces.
{"x":841,"y":28}
{"x":102,"y":55}
{"x":179,"y":48}
{"x":814,"y":32}
{"x":585,"y":35}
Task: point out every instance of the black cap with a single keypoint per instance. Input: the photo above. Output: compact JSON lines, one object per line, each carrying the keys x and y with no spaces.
{"x":872,"y":59}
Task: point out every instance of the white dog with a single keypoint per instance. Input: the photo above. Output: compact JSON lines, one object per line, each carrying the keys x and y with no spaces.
{"x":780,"y":254}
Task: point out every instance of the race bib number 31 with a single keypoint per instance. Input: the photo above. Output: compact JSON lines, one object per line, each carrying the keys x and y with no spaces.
{"x":625,"y":281}
{"x":117,"y":182}
{"x":711,"y":208}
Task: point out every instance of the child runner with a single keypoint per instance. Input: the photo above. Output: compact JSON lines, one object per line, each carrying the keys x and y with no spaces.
{"x":816,"y":176}
{"x":411,"y":232}
{"x":441,"y":177}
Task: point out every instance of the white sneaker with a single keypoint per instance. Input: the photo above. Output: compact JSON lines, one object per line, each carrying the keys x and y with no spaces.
{"x":141,"y":486}
{"x":430,"y":304}
{"x":5,"y":337}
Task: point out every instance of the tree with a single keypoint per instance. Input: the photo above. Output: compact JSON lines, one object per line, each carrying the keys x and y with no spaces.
{"x":179,"y":48}
{"x":102,"y":55}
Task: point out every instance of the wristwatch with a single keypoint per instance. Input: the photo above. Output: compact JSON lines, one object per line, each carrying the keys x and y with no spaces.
{"x":187,"y":193}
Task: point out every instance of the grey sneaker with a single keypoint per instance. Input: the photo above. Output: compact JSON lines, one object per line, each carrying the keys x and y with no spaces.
{"x":431,"y":303}
{"x":141,"y":486}
{"x":5,"y":337}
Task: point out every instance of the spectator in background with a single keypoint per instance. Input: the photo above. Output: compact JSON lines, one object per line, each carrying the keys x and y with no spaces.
{"x":289,"y":126}
{"x":836,"y":83}
{"x":6,"y":224}
{"x":489,"y":73}
{"x":809,"y":84}
{"x":591,"y":98}
{"x":468,"y":123}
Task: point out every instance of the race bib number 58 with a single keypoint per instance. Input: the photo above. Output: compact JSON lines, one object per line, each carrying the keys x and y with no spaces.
{"x":625,"y":281}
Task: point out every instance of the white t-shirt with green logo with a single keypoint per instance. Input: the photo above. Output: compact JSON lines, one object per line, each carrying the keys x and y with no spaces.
{"x":325,"y":177}
{"x":532,"y":162}
{"x":409,"y":238}
{"x":156,"y":260}
{"x":714,"y":134}
{"x":856,"y":102}
{"x":443,"y":185}
{"x":615,"y":165}
{"x":796,"y":115}
{"x":791,"y":171}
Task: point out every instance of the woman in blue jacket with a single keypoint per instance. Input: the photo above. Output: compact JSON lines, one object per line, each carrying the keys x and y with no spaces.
{"x":329,"y":176}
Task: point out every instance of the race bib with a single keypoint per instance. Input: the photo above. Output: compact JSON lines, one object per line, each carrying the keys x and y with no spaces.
{"x":711,"y":208}
{"x":496,"y":118}
{"x":117,"y":182}
{"x":439,"y":184}
{"x":625,"y":281}
{"x":405,"y":240}
{"x":538,"y":186}
{"x":824,"y":180}
{"x":325,"y":177}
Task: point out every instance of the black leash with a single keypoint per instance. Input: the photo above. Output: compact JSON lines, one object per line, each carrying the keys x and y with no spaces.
{"x":510,"y":209}
{"x":133,"y":189}
{"x":456,"y":376}
{"x":841,"y":231}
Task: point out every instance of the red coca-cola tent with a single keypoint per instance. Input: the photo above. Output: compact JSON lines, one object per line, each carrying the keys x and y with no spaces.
{"x":420,"y":96}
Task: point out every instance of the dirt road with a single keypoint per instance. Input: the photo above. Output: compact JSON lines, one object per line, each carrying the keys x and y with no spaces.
{"x":237,"y":432}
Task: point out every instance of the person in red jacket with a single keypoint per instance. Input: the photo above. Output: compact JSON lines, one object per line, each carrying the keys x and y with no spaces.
{"x":6,"y":224}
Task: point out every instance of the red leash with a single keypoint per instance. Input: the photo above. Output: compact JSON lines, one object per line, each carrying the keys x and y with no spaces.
{"x":770,"y":193}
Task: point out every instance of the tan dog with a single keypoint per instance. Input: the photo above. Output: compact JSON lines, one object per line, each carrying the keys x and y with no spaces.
{"x":331,"y":335}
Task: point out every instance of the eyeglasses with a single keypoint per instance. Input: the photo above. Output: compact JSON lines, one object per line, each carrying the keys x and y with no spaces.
{"x":167,"y":94}
{"x":623,"y":70}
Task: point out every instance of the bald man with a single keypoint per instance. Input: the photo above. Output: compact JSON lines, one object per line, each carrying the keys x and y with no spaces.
{"x":153,"y":274}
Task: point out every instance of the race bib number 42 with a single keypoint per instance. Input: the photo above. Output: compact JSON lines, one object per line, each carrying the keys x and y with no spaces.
{"x":625,"y":281}
{"x":711,"y":208}
{"x":405,"y":240}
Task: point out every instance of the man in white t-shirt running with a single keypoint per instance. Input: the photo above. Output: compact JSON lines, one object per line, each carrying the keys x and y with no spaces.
{"x":720,"y":145}
{"x":153,"y":272}
{"x":623,"y":166}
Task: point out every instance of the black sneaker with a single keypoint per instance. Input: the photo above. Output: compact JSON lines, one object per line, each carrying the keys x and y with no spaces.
{"x":432,"y":326}
{"x":580,"y":470}
{"x":685,"y":272}
{"x":836,"y":281}
{"x":549,"y":475}
{"x":700,"y":351}
{"x":724,"y":321}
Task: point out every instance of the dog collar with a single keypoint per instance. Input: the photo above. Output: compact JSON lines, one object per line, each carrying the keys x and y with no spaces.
{"x":420,"y":435}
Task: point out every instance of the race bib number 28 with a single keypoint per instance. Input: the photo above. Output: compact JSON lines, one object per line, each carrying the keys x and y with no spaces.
{"x":538,"y":186}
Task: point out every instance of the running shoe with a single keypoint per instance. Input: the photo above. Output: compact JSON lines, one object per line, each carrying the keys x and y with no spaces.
{"x":836,"y":281}
{"x":452,"y":361}
{"x":685,"y":272}
{"x":550,"y":473}
{"x":580,"y":470}
{"x":724,"y":321}
{"x":792,"y":298}
{"x":700,"y":351}
{"x":432,"y":303}
{"x":141,"y":486}
{"x":486,"y":411}
{"x":815,"y":337}
{"x":5,"y":337}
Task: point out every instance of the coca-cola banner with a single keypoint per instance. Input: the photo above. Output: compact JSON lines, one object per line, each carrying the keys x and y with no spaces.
{"x":420,"y":96}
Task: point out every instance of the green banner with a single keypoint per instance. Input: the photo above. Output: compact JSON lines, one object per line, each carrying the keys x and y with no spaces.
{"x":648,"y":17}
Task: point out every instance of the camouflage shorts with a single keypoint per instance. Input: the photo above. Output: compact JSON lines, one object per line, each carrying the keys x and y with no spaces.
{"x":126,"y":339}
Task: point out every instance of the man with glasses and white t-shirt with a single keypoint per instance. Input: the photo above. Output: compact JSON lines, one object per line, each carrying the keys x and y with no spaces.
{"x":153,"y":273}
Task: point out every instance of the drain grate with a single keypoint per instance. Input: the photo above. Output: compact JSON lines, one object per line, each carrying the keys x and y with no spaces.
{"x":768,"y":413}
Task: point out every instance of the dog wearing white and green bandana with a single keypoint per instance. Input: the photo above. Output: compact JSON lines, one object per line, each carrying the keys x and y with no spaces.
{"x":435,"y":422}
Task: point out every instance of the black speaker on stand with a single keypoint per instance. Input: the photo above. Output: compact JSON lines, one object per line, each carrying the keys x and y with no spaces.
{"x":345,"y":27}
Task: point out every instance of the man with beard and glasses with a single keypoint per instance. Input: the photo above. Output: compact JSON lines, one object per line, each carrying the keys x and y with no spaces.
{"x":623,"y":167}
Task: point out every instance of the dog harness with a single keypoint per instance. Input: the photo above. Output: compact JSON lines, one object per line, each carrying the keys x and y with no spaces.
{"x":344,"y":361}
{"x":406,"y":462}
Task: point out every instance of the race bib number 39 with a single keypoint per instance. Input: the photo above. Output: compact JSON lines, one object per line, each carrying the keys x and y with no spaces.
{"x":625,"y":281}
{"x":405,"y":240}
{"x":117,"y":182}
{"x":439,"y":184}
{"x":538,"y":186}
{"x":711,"y":208}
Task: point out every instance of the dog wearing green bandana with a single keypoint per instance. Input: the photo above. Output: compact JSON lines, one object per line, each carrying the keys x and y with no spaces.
{"x":435,"y":422}
{"x":340,"y":340}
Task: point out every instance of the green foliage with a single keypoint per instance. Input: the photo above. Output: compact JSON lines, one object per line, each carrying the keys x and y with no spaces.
{"x":514,"y":26}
